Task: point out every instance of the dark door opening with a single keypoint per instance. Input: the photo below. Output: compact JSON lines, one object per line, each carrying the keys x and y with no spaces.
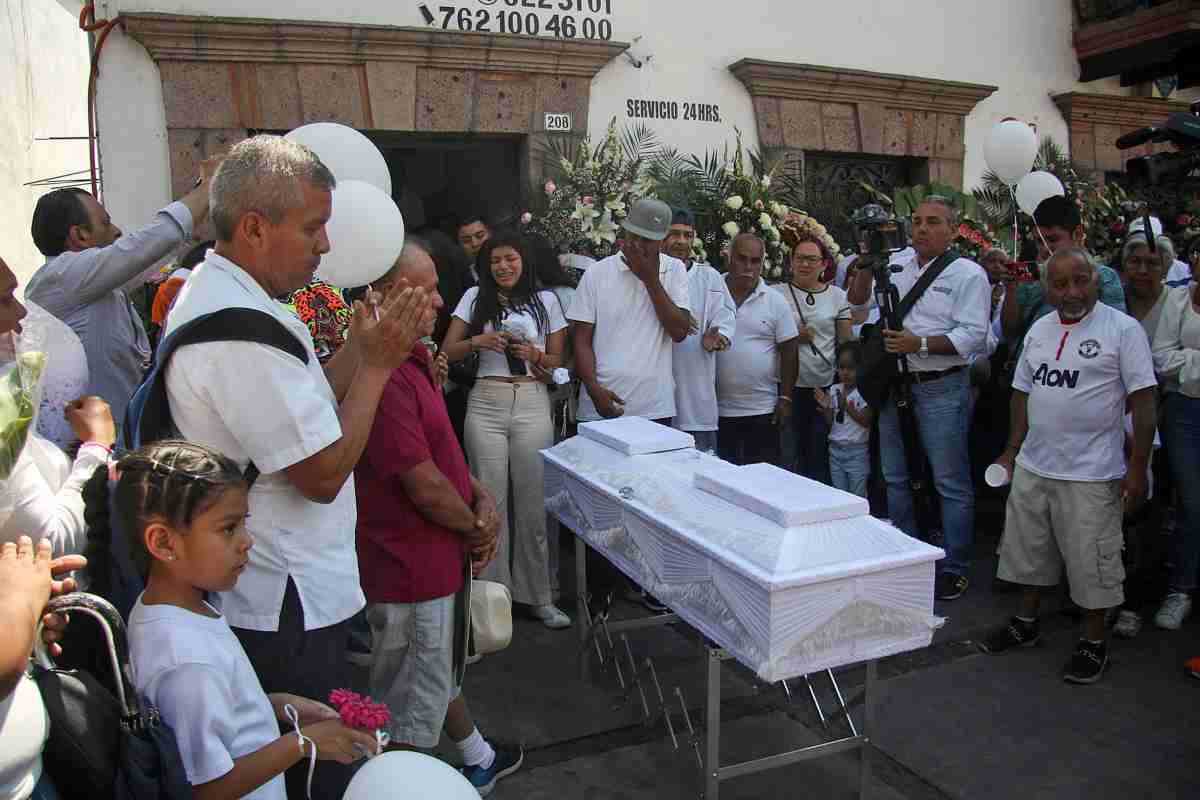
{"x":439,"y":179}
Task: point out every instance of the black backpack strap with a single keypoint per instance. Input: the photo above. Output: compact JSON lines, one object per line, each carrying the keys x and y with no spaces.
{"x":927,"y":277}
{"x":226,"y":325}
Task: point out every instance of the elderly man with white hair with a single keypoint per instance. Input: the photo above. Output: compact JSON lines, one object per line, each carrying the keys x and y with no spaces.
{"x":303,"y":426}
{"x":1079,"y":370}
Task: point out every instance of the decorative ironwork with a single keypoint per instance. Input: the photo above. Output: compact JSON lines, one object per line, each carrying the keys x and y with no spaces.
{"x":833,"y":186}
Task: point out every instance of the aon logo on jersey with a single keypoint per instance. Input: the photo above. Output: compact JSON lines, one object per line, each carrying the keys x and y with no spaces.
{"x":1056,"y":377}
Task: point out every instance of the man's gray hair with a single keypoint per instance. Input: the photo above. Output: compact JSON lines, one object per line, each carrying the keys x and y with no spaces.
{"x":1163,"y":245}
{"x":994,"y":251}
{"x":413,"y":245}
{"x":1071,"y":252}
{"x":748,"y":236}
{"x":944,"y":202}
{"x":264,"y":174}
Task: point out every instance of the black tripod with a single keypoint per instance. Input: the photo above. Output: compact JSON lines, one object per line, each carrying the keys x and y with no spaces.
{"x":887,"y":296}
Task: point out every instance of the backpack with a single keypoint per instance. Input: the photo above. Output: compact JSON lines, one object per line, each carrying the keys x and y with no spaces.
{"x":148,"y":415}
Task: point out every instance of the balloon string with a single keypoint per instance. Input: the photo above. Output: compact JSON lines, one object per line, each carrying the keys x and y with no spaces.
{"x":294,"y":717}
{"x":1016,"y":224}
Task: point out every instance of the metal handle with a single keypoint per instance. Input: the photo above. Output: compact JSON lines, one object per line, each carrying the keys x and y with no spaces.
{"x":114,"y":634}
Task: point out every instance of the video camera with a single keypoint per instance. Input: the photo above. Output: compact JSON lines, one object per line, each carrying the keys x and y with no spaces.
{"x":878,"y":233}
{"x":1181,"y":129}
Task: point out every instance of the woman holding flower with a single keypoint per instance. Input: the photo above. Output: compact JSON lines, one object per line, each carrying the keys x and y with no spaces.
{"x":822,"y":316}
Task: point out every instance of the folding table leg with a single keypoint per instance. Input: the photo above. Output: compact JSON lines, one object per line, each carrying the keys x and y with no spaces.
{"x":712,"y":731}
{"x":868,"y":728}
{"x":584,"y":619}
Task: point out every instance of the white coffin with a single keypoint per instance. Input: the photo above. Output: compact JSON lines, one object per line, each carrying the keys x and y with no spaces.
{"x":636,"y":436}
{"x":783,"y":497}
{"x":785,"y":601}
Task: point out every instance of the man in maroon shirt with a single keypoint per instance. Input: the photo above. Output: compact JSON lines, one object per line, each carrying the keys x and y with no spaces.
{"x":423,"y":523}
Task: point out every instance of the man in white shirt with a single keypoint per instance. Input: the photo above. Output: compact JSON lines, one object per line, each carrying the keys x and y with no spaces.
{"x":1079,"y":370}
{"x":945,"y":328}
{"x":749,"y":374}
{"x":629,"y":310}
{"x":91,"y":264}
{"x":303,"y":426}
{"x":695,"y":358}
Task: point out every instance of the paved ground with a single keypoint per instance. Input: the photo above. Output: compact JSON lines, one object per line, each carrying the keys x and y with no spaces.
{"x":951,"y":723}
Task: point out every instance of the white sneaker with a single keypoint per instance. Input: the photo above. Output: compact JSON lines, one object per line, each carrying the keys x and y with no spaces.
{"x":1173,"y":611}
{"x":1129,"y":624}
{"x":552,"y":617}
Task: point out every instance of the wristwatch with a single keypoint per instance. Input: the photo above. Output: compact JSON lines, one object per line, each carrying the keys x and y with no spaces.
{"x":924,"y":351}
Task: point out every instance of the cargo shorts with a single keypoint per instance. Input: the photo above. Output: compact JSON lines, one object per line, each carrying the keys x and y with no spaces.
{"x":1053,"y":523}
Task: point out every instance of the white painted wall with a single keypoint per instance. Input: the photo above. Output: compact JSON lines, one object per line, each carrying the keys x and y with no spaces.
{"x":1021,"y":46}
{"x":44,"y":89}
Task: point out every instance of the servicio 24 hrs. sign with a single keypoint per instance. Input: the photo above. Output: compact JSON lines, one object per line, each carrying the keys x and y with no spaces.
{"x":562,"y":19}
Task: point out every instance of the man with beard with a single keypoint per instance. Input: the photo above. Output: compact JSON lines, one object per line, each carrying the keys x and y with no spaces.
{"x":695,"y":358}
{"x":1079,"y":370}
{"x":751,"y":407}
{"x":944,"y":330}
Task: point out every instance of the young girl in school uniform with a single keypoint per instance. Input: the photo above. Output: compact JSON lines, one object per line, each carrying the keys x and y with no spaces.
{"x":849,"y":419}
{"x":183,"y":508}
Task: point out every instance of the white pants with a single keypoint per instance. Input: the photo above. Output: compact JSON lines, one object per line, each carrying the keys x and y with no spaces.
{"x":507,"y":425}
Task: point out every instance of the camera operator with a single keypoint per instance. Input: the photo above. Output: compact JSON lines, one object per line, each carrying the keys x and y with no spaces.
{"x":946,"y":326}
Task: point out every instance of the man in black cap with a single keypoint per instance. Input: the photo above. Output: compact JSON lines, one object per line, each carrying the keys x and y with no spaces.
{"x":695,"y":358}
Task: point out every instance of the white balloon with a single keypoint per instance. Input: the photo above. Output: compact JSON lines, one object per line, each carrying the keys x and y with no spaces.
{"x":366,"y":234}
{"x":1036,"y":187}
{"x":349,"y":155}
{"x":408,"y":776}
{"x":1010,"y":150}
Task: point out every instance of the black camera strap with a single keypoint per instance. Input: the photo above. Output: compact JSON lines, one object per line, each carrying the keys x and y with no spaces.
{"x":930,"y":275}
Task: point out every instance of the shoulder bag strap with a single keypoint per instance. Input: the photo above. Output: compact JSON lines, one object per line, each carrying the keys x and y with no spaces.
{"x":929,"y":276}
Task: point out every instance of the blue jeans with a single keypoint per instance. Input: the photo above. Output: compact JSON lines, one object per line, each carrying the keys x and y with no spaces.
{"x":1181,"y":431}
{"x":943,"y":418}
{"x":850,"y":466}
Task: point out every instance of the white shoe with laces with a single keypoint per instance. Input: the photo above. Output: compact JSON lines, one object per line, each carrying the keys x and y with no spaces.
{"x":552,"y":617}
{"x":1173,"y":611}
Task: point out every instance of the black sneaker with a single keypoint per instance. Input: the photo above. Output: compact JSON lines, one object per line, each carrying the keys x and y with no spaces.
{"x":950,"y":586}
{"x":1018,"y":633}
{"x":504,"y":764}
{"x":1087,"y":663}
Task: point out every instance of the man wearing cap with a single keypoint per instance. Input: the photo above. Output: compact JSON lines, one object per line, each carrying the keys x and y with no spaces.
{"x":629,"y":310}
{"x":695,"y":358}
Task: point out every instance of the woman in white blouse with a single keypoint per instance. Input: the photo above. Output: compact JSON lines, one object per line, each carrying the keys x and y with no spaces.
{"x":512,"y":325}
{"x":41,"y":498}
{"x":823,"y":318}
{"x":1177,"y":362}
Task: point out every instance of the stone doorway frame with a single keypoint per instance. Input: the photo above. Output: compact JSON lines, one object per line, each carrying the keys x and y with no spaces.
{"x":801,"y":107}
{"x":224,"y":76}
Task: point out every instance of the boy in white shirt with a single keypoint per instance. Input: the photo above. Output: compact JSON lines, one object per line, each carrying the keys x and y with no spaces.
{"x":849,"y":419}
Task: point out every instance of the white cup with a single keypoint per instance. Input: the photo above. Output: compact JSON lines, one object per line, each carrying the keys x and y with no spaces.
{"x":996,"y":476}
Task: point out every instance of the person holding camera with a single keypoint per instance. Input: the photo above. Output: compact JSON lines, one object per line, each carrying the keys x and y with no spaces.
{"x":945,"y":326}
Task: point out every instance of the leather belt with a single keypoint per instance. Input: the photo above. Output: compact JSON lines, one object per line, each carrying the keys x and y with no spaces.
{"x":926,"y":377}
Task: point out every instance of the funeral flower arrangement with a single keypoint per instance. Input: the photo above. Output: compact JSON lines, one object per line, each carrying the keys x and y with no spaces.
{"x":590,"y":191}
{"x":974,"y":239}
{"x":20,"y":383}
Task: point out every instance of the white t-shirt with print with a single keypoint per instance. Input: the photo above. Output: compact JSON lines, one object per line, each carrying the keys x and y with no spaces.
{"x":633,"y":350}
{"x":1078,"y":377}
{"x":828,"y":306}
{"x":848,"y":431}
{"x":748,"y":372}
{"x":520,"y":320}
{"x":195,"y":672}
